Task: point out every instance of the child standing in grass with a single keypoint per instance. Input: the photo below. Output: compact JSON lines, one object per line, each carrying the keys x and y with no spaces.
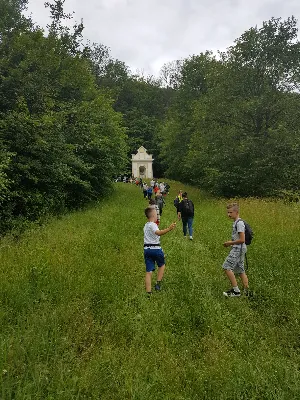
{"x":234,"y":263}
{"x":153,"y":252}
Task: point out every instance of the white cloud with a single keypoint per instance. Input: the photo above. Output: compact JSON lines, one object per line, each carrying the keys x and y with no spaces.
{"x":147,"y":33}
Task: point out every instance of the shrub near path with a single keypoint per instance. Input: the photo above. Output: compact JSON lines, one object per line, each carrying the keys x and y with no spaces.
{"x":76,"y":324}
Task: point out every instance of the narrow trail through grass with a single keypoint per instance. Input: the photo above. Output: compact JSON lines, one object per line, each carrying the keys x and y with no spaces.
{"x":76,"y":324}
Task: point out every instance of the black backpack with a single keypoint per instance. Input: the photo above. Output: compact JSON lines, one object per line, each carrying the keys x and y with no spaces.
{"x":248,"y":232}
{"x":187,"y":208}
{"x":176,"y":202}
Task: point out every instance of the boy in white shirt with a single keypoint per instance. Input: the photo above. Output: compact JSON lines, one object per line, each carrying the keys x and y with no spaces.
{"x":234,"y":263}
{"x":153,"y":252}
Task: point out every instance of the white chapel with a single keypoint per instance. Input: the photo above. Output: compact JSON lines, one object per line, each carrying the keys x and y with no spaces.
{"x":142,"y":164}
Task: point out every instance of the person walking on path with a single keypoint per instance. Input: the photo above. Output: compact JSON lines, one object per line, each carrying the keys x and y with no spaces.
{"x":186,"y":214}
{"x":152,"y":183}
{"x":234,"y":263}
{"x":153,"y":253}
{"x":156,"y":189}
{"x":160,"y":201}
{"x":162,"y":187}
{"x":152,"y":204}
{"x":145,"y":190}
{"x":149,"y":192}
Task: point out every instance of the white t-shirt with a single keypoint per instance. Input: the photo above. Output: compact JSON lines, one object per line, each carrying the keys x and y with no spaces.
{"x":238,"y":227}
{"x":149,"y":234}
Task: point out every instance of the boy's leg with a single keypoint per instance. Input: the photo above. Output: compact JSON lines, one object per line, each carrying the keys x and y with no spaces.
{"x":230,"y":275}
{"x":229,"y":267}
{"x":150,"y":267}
{"x":160,"y":274}
{"x":148,"y":281}
{"x":244,"y":279}
{"x":161,"y":268}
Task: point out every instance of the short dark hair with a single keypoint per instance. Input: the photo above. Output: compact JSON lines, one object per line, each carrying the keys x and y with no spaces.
{"x":184,"y":194}
{"x":152,"y":202}
{"x":148,"y":211}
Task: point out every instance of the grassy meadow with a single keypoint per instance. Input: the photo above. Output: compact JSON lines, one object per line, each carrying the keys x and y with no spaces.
{"x":75,"y":322}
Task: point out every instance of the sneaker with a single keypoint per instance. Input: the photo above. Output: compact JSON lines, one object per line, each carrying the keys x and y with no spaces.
{"x":248,"y":293}
{"x":231,"y":293}
{"x":157,"y":287}
{"x":191,"y":237}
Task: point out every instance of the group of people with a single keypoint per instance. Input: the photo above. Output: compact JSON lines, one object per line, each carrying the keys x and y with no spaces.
{"x":153,"y":253}
{"x":154,"y":188}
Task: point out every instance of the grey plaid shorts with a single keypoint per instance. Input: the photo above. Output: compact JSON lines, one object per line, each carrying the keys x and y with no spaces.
{"x":235,"y":260}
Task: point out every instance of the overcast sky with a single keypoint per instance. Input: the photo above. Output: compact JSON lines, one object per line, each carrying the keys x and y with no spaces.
{"x":147,"y":33}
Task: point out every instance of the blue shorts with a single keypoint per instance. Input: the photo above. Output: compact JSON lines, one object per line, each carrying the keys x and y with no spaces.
{"x":153,"y":256}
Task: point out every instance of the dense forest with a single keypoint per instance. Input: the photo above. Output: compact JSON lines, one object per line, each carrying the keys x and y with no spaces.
{"x":71,"y":115}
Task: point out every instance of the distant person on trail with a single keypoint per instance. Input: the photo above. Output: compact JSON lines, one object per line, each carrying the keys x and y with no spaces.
{"x":162,"y":187}
{"x":167,"y":190}
{"x":186,"y":214}
{"x":149,"y":192}
{"x":152,"y":204}
{"x":156,"y":189}
{"x":178,"y":200}
{"x":153,"y":253}
{"x":152,"y":183}
{"x":141,"y":183}
{"x":160,"y":201}
{"x":234,"y":263}
{"x":145,"y":190}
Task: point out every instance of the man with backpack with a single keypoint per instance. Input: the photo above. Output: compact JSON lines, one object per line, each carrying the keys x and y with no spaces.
{"x":234,"y":264}
{"x":185,"y":212}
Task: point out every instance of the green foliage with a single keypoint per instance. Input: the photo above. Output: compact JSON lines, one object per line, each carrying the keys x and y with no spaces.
{"x":62,"y":141}
{"x":76,"y":323}
{"x":11,"y":18}
{"x":237,"y":132}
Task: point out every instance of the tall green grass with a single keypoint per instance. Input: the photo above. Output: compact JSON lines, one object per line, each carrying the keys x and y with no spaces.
{"x":76,"y":324}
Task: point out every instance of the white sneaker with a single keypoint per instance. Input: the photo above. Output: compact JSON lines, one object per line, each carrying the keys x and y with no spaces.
{"x":191,"y":237}
{"x":231,"y":293}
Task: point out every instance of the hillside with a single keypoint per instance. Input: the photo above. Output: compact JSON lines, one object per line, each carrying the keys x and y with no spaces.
{"x":76,"y":324}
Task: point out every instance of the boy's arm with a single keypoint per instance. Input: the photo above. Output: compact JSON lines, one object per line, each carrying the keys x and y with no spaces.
{"x":241,"y":240}
{"x":164,"y":231}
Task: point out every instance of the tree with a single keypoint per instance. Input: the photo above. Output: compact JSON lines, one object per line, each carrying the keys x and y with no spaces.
{"x":242,"y":125}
